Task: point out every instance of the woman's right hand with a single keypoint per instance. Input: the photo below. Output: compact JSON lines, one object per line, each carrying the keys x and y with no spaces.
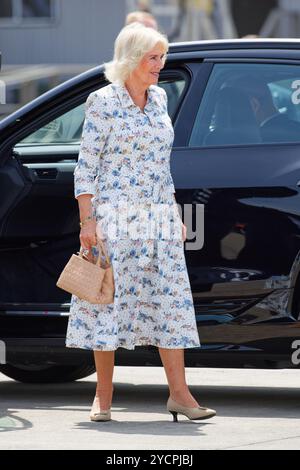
{"x":88,"y":237}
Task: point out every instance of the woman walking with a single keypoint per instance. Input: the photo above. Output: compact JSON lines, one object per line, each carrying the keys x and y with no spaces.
{"x":125,"y":158}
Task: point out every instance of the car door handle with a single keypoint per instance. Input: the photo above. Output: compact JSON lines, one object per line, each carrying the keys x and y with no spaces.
{"x":46,"y":173}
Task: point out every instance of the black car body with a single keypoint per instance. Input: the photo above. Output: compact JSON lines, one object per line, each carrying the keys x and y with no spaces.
{"x":234,"y":106}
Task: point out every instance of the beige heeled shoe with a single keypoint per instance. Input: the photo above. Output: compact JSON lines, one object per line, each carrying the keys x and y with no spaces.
{"x":198,"y":412}
{"x":102,"y":415}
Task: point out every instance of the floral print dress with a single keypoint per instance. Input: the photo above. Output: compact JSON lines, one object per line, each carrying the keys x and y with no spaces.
{"x":124,"y":158}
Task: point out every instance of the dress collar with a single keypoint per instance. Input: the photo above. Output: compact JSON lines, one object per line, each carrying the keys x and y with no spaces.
{"x":126,"y":100}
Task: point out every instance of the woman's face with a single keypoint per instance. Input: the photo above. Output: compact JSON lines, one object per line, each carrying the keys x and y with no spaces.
{"x":150,"y":65}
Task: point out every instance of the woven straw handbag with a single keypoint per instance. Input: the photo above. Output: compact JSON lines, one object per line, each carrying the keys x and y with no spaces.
{"x":89,"y":281}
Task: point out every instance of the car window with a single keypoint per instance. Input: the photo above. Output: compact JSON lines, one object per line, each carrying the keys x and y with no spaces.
{"x":249,"y":104}
{"x":67,"y":128}
{"x":174,"y":90}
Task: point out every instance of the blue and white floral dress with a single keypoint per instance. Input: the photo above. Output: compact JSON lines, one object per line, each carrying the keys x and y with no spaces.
{"x":125,"y":158}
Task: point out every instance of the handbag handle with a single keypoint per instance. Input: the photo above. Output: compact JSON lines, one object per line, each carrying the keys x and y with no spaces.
{"x":101,"y":249}
{"x":104,"y":252}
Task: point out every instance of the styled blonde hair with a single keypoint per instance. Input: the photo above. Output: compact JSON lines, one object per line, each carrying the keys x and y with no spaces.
{"x":131,"y":44}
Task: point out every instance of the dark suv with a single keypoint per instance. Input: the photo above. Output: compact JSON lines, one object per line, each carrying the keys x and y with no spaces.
{"x":236,"y":113}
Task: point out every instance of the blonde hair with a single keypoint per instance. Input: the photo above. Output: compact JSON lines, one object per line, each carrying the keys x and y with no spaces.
{"x":141,"y":17}
{"x":132,"y":43}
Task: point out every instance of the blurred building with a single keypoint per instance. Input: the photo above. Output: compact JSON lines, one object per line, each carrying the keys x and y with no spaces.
{"x":185,"y":20}
{"x":59,"y":31}
{"x":44,"y":42}
{"x":190,"y":20}
{"x":267,"y":18}
{"x":83,"y":32}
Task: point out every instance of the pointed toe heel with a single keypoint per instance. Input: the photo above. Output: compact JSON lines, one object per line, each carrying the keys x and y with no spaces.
{"x":97,"y":414}
{"x":102,"y":416}
{"x":198,"y":412}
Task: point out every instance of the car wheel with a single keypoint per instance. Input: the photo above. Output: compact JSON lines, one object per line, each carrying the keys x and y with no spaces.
{"x":46,"y":373}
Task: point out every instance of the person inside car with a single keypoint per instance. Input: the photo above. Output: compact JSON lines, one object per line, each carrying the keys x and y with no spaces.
{"x":274,"y":126}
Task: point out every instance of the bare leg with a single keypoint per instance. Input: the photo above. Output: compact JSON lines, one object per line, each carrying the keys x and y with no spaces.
{"x":173,"y":362}
{"x":104,"y":362}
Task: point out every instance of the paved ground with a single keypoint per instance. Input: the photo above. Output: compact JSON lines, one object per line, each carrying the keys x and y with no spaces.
{"x":257,"y":409}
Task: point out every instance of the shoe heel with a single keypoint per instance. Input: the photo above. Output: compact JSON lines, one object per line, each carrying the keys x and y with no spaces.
{"x":174,"y":413}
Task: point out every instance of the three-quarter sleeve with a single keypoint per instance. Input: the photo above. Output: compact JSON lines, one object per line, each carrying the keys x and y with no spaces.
{"x":169,"y":180}
{"x":96,"y":128}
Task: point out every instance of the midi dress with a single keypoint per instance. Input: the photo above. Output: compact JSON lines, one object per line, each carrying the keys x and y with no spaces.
{"x":124,"y":162}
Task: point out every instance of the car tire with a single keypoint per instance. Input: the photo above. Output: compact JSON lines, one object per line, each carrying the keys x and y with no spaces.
{"x":46,"y":373}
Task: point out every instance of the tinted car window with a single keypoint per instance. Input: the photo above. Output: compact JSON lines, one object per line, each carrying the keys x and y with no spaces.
{"x":174,"y":90}
{"x":67,"y":128}
{"x":249,"y":104}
